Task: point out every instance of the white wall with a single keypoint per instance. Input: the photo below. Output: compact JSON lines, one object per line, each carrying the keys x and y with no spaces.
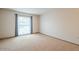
{"x":7,"y":23}
{"x":61,"y":23}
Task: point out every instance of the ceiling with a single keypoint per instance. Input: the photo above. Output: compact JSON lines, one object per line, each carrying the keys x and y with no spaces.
{"x":37,"y":11}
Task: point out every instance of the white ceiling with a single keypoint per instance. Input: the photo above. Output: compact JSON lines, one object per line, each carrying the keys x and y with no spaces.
{"x":37,"y":11}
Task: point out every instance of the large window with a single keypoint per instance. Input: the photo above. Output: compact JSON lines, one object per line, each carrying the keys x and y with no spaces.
{"x":24,"y":25}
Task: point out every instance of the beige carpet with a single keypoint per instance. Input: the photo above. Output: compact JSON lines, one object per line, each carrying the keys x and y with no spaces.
{"x":36,"y":42}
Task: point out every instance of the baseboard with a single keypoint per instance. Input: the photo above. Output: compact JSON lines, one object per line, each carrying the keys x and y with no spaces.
{"x":7,"y":37}
{"x":36,"y":33}
{"x":60,"y":39}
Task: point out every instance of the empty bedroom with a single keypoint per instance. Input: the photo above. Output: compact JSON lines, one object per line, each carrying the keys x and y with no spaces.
{"x":39,"y":29}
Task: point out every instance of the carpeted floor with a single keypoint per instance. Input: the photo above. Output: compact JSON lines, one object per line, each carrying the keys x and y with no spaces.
{"x":36,"y":42}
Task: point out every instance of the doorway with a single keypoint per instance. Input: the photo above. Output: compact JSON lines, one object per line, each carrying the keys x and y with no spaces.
{"x":24,"y":25}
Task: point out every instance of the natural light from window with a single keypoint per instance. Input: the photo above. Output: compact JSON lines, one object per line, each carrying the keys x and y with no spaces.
{"x":24,"y":25}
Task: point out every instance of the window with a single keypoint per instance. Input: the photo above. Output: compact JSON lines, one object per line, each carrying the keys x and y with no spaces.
{"x":23,"y":25}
